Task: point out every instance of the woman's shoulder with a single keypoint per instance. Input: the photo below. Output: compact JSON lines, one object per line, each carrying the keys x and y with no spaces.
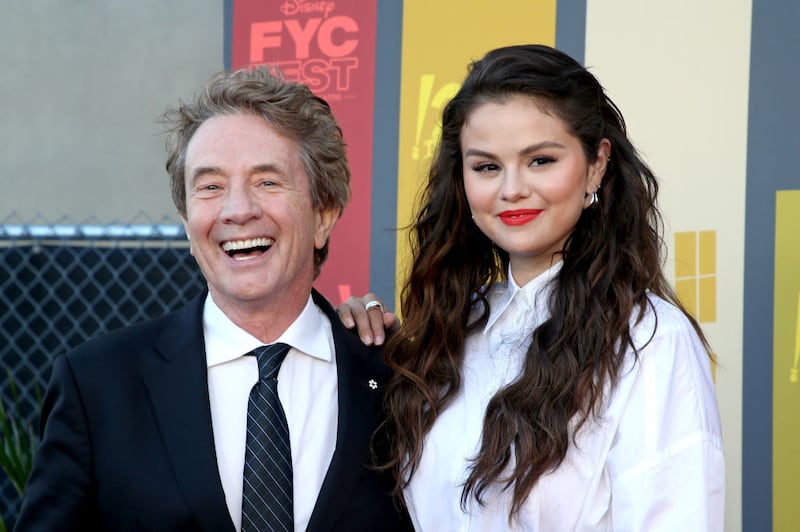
{"x":660,"y":319}
{"x":665,"y":338}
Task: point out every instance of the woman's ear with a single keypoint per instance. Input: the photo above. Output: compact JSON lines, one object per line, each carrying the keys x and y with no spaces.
{"x":597,"y":170}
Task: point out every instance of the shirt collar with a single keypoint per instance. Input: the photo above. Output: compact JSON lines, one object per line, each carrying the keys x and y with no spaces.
{"x":502,"y":294}
{"x":226,"y":341}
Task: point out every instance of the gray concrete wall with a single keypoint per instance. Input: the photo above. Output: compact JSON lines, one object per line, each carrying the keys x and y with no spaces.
{"x":82,"y":85}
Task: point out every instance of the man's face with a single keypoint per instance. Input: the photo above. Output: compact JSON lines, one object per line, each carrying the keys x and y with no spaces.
{"x":249,"y":217}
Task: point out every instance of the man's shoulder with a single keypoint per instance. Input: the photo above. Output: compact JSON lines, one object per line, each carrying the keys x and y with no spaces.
{"x":126,"y":342}
{"x":346,"y":340}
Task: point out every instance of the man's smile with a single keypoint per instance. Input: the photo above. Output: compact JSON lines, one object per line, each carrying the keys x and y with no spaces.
{"x":248,"y":248}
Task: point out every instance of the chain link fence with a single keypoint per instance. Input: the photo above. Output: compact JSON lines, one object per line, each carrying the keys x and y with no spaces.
{"x":62,"y":284}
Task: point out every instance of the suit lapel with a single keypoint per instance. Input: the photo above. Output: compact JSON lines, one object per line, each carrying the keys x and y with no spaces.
{"x":361,"y":380}
{"x":178,"y":388}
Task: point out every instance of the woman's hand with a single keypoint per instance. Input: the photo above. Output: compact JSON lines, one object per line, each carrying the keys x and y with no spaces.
{"x":370,"y":318}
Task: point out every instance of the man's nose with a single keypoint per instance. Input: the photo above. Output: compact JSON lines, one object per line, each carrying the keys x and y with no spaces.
{"x":240,"y":204}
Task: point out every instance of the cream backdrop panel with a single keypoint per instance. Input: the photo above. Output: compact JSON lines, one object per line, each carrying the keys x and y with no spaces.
{"x":679,"y":71}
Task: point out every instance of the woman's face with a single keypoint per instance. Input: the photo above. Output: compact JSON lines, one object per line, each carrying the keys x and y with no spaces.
{"x":527,"y":180}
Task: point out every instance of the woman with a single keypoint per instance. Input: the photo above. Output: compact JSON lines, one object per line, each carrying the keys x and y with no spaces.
{"x":547,"y":378}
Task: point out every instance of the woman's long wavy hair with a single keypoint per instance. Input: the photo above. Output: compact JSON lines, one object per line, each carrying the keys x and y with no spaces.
{"x":612,"y":258}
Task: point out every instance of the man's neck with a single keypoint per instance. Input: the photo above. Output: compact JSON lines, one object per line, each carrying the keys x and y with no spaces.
{"x":265,"y":320}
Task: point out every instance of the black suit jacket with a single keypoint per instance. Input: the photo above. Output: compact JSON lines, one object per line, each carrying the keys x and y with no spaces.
{"x":127,"y":440}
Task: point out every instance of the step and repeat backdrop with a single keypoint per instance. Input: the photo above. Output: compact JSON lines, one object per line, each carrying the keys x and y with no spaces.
{"x":709,"y":89}
{"x":696,"y":82}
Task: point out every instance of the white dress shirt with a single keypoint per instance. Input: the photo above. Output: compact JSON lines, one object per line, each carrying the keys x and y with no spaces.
{"x":652,"y":461}
{"x":307,"y":388}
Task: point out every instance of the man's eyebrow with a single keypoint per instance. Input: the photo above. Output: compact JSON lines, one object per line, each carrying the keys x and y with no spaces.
{"x":201,"y":171}
{"x":271,"y":168}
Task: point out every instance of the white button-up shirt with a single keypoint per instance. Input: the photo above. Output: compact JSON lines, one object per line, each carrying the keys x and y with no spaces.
{"x":652,"y":461}
{"x":307,"y":388}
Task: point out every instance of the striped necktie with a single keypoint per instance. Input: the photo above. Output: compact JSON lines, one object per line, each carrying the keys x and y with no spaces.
{"x":267,"y":489}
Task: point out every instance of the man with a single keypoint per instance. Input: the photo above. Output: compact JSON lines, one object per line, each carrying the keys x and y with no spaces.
{"x":148,"y":428}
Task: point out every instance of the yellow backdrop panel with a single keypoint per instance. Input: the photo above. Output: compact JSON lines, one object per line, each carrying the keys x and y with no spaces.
{"x":439,"y":39}
{"x":786,"y":364}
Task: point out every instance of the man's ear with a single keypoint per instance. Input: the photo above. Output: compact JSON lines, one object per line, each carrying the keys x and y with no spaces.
{"x":326,"y":221}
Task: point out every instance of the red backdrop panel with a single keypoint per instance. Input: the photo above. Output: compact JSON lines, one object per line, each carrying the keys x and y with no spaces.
{"x":329,"y":46}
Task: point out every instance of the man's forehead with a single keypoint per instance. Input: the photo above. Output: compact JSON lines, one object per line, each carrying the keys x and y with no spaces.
{"x":241,"y":141}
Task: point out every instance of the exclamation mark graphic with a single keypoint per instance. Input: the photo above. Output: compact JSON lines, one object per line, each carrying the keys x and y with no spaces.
{"x":344,"y":292}
{"x":793,"y":374}
{"x":425,"y":89}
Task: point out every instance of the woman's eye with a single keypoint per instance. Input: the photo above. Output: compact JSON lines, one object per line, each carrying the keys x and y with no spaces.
{"x":485,"y":167}
{"x":541,"y":160}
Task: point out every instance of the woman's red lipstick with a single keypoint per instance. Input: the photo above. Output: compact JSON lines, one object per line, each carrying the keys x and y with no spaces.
{"x":519,"y":216}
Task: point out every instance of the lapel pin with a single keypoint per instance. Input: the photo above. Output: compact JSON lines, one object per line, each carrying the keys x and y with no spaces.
{"x":373,"y":384}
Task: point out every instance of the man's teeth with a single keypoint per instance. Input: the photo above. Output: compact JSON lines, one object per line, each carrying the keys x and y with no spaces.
{"x":235,"y":245}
